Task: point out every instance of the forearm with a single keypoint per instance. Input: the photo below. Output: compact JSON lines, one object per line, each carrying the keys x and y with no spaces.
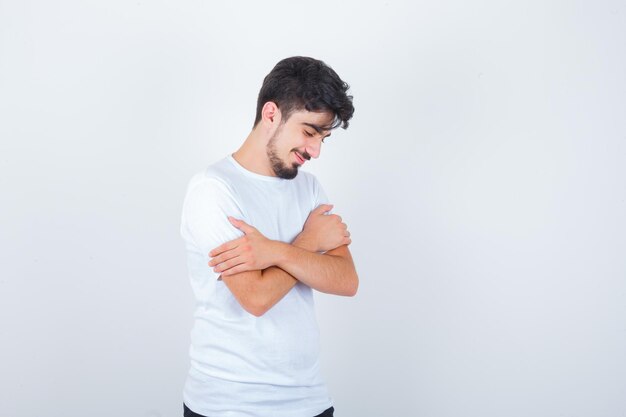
{"x":273,"y":285}
{"x":265,"y":288}
{"x":258,"y":290}
{"x":275,"y":282}
{"x":332,"y":273}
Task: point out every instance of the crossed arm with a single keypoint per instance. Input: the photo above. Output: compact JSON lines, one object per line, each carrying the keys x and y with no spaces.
{"x":260,"y":272}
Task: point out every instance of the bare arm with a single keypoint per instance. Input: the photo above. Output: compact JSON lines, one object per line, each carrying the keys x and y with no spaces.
{"x":332,"y":272}
{"x":257,"y":291}
{"x":248,"y":265}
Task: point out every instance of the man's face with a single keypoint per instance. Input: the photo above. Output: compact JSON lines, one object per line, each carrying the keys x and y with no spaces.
{"x":296,"y":141}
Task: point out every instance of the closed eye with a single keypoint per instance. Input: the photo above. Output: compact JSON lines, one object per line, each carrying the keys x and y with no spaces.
{"x":310,"y":135}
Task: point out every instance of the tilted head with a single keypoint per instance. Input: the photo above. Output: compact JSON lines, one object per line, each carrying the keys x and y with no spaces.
{"x":311,"y":92}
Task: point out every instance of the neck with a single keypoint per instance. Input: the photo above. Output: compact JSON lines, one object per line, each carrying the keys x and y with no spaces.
{"x":252,"y":155}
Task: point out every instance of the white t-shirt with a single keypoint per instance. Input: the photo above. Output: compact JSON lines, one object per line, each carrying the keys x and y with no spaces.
{"x":242,"y":365}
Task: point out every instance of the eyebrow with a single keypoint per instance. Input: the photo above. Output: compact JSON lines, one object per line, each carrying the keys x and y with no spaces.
{"x":318,"y":129}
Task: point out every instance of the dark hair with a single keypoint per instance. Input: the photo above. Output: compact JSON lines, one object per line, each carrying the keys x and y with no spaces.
{"x":303,"y":83}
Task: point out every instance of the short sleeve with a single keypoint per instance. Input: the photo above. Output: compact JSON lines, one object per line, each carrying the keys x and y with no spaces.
{"x":204,"y":222}
{"x":320,"y":195}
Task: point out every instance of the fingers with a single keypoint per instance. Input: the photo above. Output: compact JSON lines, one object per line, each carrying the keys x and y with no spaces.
{"x":228,"y":264}
{"x":241,"y":225}
{"x":227,"y":246}
{"x":224,"y":256}
{"x":237,"y":269}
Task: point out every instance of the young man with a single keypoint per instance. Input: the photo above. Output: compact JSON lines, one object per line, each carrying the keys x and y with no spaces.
{"x":265,"y":231}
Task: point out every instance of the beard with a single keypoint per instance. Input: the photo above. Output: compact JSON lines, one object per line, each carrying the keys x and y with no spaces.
{"x":280,"y":168}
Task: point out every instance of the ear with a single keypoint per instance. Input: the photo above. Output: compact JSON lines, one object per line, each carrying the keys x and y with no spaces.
{"x":270,"y":114}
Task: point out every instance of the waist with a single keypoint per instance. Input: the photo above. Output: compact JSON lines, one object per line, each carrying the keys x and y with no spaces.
{"x":282,"y":351}
{"x":215,"y":396}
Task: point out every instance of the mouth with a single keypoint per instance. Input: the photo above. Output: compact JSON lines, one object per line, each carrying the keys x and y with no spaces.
{"x":299,"y":158}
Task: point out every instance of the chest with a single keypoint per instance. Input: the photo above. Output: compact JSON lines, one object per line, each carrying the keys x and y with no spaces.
{"x":277,"y":212}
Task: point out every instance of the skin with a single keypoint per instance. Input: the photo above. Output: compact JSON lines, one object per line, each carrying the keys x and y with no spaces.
{"x":302,"y":133}
{"x":260,"y":271}
{"x":256,"y":252}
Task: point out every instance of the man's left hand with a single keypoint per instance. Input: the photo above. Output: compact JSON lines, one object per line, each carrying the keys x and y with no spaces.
{"x":251,"y":252}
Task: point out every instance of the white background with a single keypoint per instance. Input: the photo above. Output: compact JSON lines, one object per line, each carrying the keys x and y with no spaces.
{"x":483,"y":179}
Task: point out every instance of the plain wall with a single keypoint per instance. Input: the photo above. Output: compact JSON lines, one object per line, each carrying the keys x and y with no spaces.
{"x":483,"y":179}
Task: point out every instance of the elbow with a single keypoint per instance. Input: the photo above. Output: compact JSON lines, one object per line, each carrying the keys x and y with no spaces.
{"x":256,"y":306}
{"x":256,"y":312}
{"x":352,"y":287}
{"x":353,"y":290}
{"x":252,"y":297}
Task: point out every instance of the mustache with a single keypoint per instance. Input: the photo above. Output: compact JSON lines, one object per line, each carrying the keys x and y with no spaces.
{"x":304,"y":154}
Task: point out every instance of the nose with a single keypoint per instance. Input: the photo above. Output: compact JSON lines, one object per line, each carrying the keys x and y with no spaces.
{"x":314,"y":148}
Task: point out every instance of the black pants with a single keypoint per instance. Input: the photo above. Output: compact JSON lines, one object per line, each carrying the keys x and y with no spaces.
{"x":189,"y":413}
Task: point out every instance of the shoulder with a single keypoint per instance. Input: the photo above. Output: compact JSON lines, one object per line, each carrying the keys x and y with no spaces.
{"x":211,"y":192}
{"x":206,"y":185}
{"x":210,"y":189}
{"x":217,"y":178}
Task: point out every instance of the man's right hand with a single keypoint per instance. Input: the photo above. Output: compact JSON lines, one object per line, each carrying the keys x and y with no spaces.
{"x":323,"y":232}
